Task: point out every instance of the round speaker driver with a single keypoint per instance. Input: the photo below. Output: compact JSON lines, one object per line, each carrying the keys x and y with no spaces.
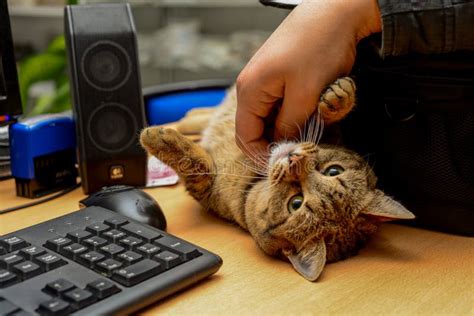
{"x":106,"y":65}
{"x":112,"y":127}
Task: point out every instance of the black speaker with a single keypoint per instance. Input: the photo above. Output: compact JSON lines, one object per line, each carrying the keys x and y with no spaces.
{"x":106,"y":90}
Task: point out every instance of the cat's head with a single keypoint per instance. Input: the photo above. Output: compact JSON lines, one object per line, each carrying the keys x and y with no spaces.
{"x":318,"y":204}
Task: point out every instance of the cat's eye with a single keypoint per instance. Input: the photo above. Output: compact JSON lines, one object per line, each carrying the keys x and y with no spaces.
{"x":333,"y":171}
{"x":295,"y":203}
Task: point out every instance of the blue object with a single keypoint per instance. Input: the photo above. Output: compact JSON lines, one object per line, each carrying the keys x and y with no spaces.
{"x":38,"y":136}
{"x":173,"y":106}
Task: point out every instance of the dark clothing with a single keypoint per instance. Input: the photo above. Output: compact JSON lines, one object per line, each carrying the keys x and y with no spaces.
{"x":421,"y":26}
{"x":426,"y":26}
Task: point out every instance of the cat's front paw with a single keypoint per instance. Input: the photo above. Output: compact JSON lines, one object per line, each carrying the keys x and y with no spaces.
{"x":338,"y":100}
{"x":158,"y":140}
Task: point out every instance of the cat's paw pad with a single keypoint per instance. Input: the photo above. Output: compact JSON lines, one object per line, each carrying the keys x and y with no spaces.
{"x":170,"y":137}
{"x":155,"y":139}
{"x":337,"y":100}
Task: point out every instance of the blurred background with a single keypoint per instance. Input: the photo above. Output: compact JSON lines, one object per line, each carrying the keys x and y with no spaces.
{"x":178,"y":40}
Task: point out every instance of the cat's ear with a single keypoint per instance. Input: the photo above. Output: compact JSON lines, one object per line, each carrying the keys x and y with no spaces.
{"x":385,"y":208}
{"x":309,"y":261}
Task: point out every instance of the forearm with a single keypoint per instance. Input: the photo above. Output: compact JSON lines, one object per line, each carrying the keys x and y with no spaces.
{"x":426,"y":26}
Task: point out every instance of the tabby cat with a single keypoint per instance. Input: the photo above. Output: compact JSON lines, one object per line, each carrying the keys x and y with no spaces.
{"x":310,"y":203}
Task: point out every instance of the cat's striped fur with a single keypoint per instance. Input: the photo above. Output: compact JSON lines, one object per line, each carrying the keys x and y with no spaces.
{"x":310,"y":203}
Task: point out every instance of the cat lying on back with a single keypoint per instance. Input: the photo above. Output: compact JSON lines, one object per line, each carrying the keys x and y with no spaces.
{"x":309,"y":203}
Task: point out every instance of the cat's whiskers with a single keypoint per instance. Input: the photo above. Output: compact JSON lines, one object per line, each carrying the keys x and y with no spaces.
{"x":262,"y":189}
{"x":252,"y":168}
{"x":321,"y":127}
{"x":317,"y":124}
{"x":304,"y":137}
{"x":257,"y":157}
{"x":309,"y":127}
{"x":300,"y":133}
{"x":222,"y":173}
{"x":316,"y":127}
{"x":309,"y":134}
{"x":282,"y":170}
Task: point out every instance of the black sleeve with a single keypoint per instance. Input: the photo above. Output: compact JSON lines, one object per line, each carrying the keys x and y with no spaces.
{"x":426,"y":26}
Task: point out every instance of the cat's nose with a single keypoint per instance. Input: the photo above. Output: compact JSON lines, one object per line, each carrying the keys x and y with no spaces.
{"x":294,"y":157}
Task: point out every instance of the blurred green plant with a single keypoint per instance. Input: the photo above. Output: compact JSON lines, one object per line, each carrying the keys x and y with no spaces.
{"x":50,"y":65}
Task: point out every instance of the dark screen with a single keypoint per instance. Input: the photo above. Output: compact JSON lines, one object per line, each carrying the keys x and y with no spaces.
{"x":3,"y":88}
{"x":10,"y":103}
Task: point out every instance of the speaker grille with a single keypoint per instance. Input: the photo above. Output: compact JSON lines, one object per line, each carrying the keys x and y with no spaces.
{"x":106,"y":65}
{"x":112,"y":127}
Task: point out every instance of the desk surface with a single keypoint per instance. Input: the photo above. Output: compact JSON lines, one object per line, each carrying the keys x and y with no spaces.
{"x":403,"y":270}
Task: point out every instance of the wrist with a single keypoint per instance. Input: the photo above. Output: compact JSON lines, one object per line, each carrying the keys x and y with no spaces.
{"x":362,"y":16}
{"x":368,"y":19}
{"x":374,"y":17}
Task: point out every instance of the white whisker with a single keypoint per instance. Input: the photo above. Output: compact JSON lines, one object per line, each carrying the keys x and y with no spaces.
{"x":222,"y":173}
{"x":253,"y":155}
{"x":252,"y":168}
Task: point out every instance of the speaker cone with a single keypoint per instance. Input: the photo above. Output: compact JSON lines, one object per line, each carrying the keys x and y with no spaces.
{"x":106,"y":65}
{"x":112,"y":127}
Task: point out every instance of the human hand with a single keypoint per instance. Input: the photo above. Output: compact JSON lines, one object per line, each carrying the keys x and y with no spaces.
{"x":313,"y":46}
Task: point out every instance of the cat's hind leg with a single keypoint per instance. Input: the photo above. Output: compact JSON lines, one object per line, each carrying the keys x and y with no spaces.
{"x":337,"y":100}
{"x":195,"y":121}
{"x":192,"y":163}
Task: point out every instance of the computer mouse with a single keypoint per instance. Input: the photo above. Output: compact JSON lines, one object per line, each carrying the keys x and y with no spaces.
{"x":128,"y":201}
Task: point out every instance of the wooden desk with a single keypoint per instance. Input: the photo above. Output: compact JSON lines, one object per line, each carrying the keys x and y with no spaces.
{"x":402,"y":271}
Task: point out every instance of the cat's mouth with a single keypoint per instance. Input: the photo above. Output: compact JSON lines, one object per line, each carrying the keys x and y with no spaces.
{"x":287,"y":161}
{"x":280,"y":152}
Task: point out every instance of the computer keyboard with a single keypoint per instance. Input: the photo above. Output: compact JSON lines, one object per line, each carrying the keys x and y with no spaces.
{"x":92,"y":262}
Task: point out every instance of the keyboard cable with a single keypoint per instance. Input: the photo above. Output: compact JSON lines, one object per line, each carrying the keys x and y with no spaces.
{"x":49,"y":198}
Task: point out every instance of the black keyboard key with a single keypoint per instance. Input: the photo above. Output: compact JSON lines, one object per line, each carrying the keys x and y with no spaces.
{"x":7,"y":307}
{"x":108,"y":266}
{"x":102,"y":288}
{"x":140,"y":231}
{"x":78,"y":235}
{"x":54,"y":307}
{"x":27,"y":269}
{"x":57,"y":243}
{"x":98,"y":228}
{"x":73,"y":251}
{"x":79,"y":298}
{"x":114,"y":235}
{"x":89,"y":259}
{"x":94,"y":242}
{"x":13,"y":243}
{"x":116,"y":221}
{"x":148,"y":250}
{"x":168,"y":259}
{"x":7,"y":278}
{"x":187,"y":251}
{"x":137,"y":272}
{"x":58,"y":287}
{"x":50,"y":261}
{"x":31,"y":252}
{"x":129,"y":257}
{"x":111,"y":250}
{"x":9,"y":260}
{"x":130,"y":242}
{"x":2,"y":250}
